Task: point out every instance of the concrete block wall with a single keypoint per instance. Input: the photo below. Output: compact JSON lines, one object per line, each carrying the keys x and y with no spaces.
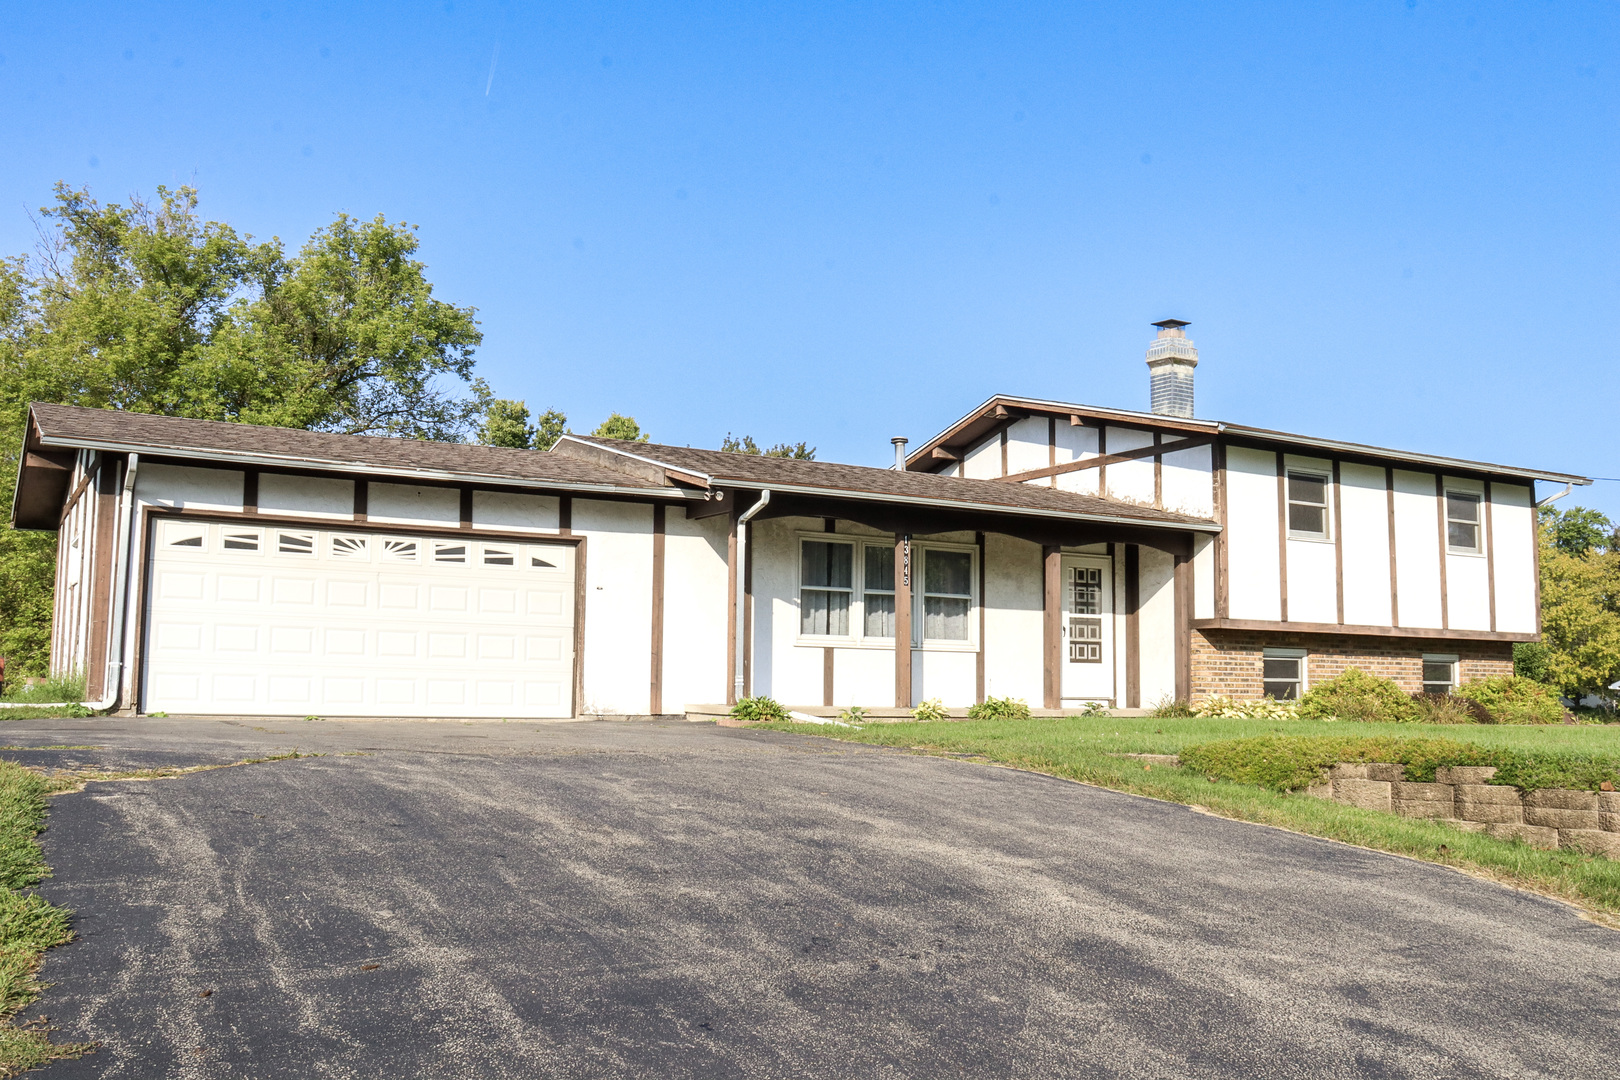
{"x":1228,"y":663}
{"x":1462,"y":797}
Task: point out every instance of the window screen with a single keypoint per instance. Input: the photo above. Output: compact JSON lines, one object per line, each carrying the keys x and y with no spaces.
{"x":879,"y":589}
{"x":1307,"y":504}
{"x":1462,"y":521}
{"x":1284,"y":673}
{"x":826,"y":584}
{"x":947,"y":594}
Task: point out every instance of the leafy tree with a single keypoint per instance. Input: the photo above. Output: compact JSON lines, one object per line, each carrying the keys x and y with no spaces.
{"x":549,"y":426}
{"x":506,"y":423}
{"x":1578,"y":530}
{"x":746,"y":445}
{"x":1580,"y":607}
{"x":620,"y":427}
{"x":149,"y":308}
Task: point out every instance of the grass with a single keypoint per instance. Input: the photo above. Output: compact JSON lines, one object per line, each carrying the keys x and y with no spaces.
{"x":56,"y":689}
{"x":1085,"y":749}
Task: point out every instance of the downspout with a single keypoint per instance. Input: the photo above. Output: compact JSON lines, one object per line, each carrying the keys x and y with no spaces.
{"x":738,"y":632}
{"x":1555,"y":497}
{"x":113,"y":686}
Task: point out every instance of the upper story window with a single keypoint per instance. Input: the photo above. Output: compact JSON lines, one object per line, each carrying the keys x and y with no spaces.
{"x":826,"y":587}
{"x":1462,"y":522}
{"x":1307,"y":505}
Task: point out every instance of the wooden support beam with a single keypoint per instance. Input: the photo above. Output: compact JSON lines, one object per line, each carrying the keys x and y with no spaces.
{"x":1133,"y":626}
{"x":902,"y":621}
{"x":655,"y":690}
{"x":939,"y":453}
{"x":1052,"y":636}
{"x":1104,"y":460}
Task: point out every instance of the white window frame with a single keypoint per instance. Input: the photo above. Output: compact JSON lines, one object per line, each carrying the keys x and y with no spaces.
{"x":857,"y":637}
{"x":1287,"y":654}
{"x":1478,"y":523}
{"x":1326,"y":504}
{"x":1450,"y":660}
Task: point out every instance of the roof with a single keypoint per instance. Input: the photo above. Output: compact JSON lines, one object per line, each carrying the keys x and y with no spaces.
{"x":250,"y":444}
{"x":966,"y":431}
{"x":829,"y":479}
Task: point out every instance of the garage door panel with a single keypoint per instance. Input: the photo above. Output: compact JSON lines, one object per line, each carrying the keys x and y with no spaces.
{"x":331,"y":623}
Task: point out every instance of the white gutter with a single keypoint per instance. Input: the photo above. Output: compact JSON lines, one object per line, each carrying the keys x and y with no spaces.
{"x":360,"y":468}
{"x":738,"y":631}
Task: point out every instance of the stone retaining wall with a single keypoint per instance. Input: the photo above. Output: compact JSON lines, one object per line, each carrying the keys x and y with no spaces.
{"x":1586,"y":821}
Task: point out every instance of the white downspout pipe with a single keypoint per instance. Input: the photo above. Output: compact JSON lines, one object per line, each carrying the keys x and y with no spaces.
{"x":1555,"y":497}
{"x":738,"y":631}
{"x":114,"y":684}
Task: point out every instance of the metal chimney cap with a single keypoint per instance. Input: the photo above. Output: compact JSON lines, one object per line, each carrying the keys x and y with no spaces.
{"x":900,"y":440}
{"x":1172,"y":324}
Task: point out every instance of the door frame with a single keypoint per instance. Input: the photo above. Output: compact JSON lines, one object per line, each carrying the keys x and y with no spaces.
{"x":1110,"y":616}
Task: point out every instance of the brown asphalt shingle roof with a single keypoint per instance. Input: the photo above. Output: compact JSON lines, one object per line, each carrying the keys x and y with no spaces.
{"x":859,"y":479}
{"x":311,"y":449}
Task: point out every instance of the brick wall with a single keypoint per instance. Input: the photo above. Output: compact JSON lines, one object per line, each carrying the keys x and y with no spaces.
{"x":1227,"y":663}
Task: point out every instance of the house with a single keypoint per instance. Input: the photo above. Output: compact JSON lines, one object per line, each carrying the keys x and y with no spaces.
{"x":1055,"y":552}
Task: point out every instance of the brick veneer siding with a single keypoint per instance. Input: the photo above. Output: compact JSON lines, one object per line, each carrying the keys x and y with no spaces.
{"x":1227,"y":663}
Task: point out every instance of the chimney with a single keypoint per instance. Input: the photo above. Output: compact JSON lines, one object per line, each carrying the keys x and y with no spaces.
{"x":899,"y":452}
{"x":1170,"y":360}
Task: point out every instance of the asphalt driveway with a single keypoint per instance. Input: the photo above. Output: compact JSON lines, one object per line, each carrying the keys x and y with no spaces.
{"x":650,"y":900}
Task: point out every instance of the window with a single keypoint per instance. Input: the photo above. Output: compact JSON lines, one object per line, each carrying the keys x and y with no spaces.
{"x":826,"y":587}
{"x":348,"y":547}
{"x":879,"y":592}
{"x":449,"y":553}
{"x":947,"y":594}
{"x":1307,"y":504}
{"x":1439,"y":673}
{"x":296,"y":543}
{"x":1284,"y":673}
{"x":499,"y":556}
{"x":1462,"y":522}
{"x":399,"y":550}
{"x":239,"y":540}
{"x":1085,"y":607}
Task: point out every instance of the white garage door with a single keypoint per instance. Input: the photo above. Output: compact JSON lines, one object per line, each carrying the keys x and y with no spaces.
{"x":327,"y":622}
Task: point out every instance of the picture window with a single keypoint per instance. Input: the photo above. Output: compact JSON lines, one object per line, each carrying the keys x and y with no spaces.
{"x":847,"y":590}
{"x":1307,"y":505}
{"x":947,"y":594}
{"x":1284,"y":673}
{"x":826,"y":587}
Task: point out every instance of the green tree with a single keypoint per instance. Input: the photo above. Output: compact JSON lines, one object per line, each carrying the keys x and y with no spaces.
{"x":549,"y":426}
{"x":1580,"y":607}
{"x":506,"y":423}
{"x":1578,"y":530}
{"x":620,"y":427}
{"x":150,"y":308}
{"x":746,"y":445}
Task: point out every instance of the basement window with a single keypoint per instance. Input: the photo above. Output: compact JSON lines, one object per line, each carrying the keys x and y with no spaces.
{"x":1307,"y":505}
{"x":1462,"y":522}
{"x":1284,"y":673}
{"x":1439,"y":673}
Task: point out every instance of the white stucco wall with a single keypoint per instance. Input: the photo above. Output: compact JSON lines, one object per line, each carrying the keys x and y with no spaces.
{"x":695,"y":611}
{"x":1028,"y":445}
{"x":983,"y":462}
{"x":618,"y":604}
{"x":1468,"y":582}
{"x":1364,"y":528}
{"x":1188,"y":480}
{"x":1313,"y":592}
{"x":1076,"y":444}
{"x":1014,"y":588}
{"x":510,"y":510}
{"x":1253,"y":575}
{"x":186,"y":488}
{"x":1515,"y":561}
{"x":1157,"y":626}
{"x":1417,"y":549}
{"x":408,"y":504}
{"x":1203,"y":576}
{"x":306,"y":496}
{"x":1130,"y":479}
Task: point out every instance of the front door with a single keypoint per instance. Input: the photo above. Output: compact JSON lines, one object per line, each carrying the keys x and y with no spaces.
{"x":1088,"y":628}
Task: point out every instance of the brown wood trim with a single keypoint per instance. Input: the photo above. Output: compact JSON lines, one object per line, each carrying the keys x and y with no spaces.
{"x":1338,"y":544}
{"x":105,"y":541}
{"x":655,"y":692}
{"x":731,"y":612}
{"x":1133,"y":626}
{"x":1182,"y":584}
{"x":466,"y":506}
{"x":78,"y":489}
{"x":902,"y":621}
{"x":1352,"y":630}
{"x":1051,"y":446}
{"x":827,"y":664}
{"x":1003,"y":452}
{"x":363,"y":526}
{"x":1394,"y":579}
{"x":1052,"y":626}
{"x":1490,"y":554}
{"x":1223,"y":601}
{"x":1351,"y":457}
{"x":579,"y":626}
{"x":978,"y":658}
{"x":135,"y":662}
{"x":362,"y":499}
{"x":1282,"y":535}
{"x":1102,"y":460}
{"x":1535,"y":546}
{"x":250,"y":491}
{"x":565,"y":515}
{"x":1440,"y":512}
{"x":1158,"y":470}
{"x":748,"y":612}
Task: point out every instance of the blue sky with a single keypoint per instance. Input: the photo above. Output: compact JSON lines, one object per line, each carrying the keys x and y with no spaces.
{"x":1392,"y":222}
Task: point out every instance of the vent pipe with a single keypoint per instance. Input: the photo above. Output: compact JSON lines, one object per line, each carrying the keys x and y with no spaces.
{"x":1171,"y":360}
{"x":899,"y":452}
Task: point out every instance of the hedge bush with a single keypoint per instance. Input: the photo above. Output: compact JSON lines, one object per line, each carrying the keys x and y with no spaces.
{"x":1514,"y":699}
{"x":1291,"y":762}
{"x":756,"y":709}
{"x":1355,"y":695}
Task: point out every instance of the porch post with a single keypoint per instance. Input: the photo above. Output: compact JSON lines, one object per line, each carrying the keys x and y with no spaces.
{"x":731,"y":612}
{"x":1052,"y":653}
{"x":1183,"y":598}
{"x":902,"y":621}
{"x":1133,"y":626}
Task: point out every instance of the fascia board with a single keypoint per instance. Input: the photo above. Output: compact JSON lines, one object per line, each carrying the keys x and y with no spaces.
{"x":287,"y":461}
{"x":1364,"y":450}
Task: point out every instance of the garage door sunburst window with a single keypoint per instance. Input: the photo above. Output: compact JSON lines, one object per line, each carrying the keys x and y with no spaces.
{"x":289,"y":543}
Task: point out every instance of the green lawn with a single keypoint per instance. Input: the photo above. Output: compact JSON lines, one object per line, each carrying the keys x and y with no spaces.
{"x":1080,"y":748}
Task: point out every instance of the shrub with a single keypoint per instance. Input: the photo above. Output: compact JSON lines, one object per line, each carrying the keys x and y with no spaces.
{"x":1450,"y":709}
{"x":853,"y":715}
{"x":1266,"y":708}
{"x":1169,"y":708}
{"x":1355,"y":695}
{"x":1514,"y":699}
{"x":759,"y":709}
{"x":1094,"y":708}
{"x":929,"y":710}
{"x":1000,"y":708}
